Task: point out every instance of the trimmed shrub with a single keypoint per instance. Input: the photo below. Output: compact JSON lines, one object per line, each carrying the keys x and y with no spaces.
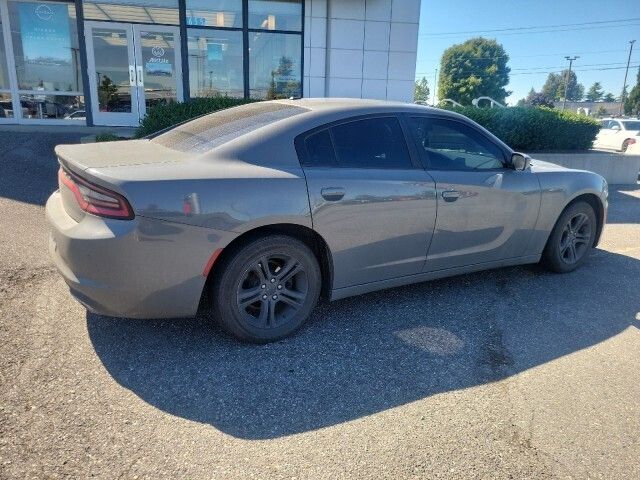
{"x":535,"y":129}
{"x":108,"y":137}
{"x":164,"y":116}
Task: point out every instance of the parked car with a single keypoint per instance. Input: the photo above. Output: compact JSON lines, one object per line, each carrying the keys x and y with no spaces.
{"x":617,"y":134}
{"x":256,"y":211}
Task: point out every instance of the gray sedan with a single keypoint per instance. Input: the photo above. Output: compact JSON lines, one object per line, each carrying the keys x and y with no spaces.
{"x":257,"y":211}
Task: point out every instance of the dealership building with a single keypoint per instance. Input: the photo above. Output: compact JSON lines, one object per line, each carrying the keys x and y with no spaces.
{"x":106,"y":62}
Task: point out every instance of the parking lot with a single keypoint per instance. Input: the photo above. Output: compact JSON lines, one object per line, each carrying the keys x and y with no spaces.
{"x":513,"y":373}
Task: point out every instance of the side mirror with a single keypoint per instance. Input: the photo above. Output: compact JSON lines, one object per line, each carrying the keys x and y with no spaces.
{"x":520,"y":161}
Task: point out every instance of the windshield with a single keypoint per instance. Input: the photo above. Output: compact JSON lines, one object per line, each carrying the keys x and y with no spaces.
{"x":633,"y":125}
{"x":215,"y":129}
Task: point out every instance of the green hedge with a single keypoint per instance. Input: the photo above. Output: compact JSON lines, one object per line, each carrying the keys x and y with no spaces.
{"x":535,"y":129}
{"x":163,"y":116}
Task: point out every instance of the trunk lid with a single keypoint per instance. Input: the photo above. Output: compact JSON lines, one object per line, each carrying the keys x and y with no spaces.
{"x":87,"y":161}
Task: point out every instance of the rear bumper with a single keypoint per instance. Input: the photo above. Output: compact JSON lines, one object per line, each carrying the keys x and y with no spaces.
{"x":139,"y":268}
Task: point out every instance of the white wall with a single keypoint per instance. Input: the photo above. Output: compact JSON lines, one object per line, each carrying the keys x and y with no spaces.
{"x":361,"y":48}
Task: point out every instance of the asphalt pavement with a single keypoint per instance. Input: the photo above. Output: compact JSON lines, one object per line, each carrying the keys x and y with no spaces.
{"x":513,"y":373}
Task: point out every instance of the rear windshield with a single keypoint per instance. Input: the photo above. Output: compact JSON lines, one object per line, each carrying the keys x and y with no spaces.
{"x":213,"y":130}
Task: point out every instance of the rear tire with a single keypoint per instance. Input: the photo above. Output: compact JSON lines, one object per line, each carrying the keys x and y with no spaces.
{"x":571,"y":239}
{"x":267,"y":289}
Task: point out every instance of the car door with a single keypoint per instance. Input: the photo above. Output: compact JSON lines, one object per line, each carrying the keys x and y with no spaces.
{"x":616,"y":137}
{"x":486,"y":210}
{"x":370,"y":200}
{"x":602,"y":138}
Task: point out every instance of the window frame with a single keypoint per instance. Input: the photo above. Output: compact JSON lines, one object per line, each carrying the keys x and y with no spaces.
{"x":182,"y":10}
{"x":303,"y":154}
{"x":424,"y":157}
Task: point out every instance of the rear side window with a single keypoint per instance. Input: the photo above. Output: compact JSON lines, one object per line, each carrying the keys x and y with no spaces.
{"x":371,"y":143}
{"x":320,"y":149}
{"x":211,"y":131}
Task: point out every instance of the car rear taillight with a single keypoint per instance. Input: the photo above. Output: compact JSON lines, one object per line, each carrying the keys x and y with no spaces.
{"x":94,"y":199}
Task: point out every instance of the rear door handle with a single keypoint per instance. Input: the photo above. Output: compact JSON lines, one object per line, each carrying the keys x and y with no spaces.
{"x":332,"y":194}
{"x":450,"y":195}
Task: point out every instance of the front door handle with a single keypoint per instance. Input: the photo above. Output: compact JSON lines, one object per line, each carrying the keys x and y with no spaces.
{"x":450,"y":195}
{"x":332,"y":194}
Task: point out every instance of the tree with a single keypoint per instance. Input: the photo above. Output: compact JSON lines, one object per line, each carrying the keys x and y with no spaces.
{"x":538,"y":99}
{"x":632,"y":101}
{"x":554,"y":86}
{"x":601,"y":112}
{"x":609,"y":97}
{"x":421,"y":92}
{"x":595,"y":93}
{"x":477,"y":67}
{"x":107,"y":93}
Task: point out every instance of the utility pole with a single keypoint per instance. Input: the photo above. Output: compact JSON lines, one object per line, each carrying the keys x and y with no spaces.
{"x":624,"y":84}
{"x":566,"y":79}
{"x":435,"y":87}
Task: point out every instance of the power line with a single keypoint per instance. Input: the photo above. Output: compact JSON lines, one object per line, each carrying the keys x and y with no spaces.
{"x":495,"y":57}
{"x":545,"y":27}
{"x":550,"y":69}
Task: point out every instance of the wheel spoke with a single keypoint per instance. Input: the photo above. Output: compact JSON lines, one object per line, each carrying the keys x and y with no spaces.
{"x":263,"y":269}
{"x":579,"y":222}
{"x":263,"y":318}
{"x":249,"y":296}
{"x":572,"y":252}
{"x":293,"y":298}
{"x":272,"y":313}
{"x":583,"y":237}
{"x":290,"y":270}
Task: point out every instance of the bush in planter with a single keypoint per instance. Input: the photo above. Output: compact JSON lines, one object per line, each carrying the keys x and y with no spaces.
{"x":164,"y":116}
{"x":534,"y":129}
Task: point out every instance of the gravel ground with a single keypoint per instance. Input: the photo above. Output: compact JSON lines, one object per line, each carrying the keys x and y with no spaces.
{"x":513,"y":373}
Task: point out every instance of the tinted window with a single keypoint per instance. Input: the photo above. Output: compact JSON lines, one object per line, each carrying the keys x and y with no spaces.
{"x":320,"y":149}
{"x":451,"y":145}
{"x":371,"y":143}
{"x":631,"y":125}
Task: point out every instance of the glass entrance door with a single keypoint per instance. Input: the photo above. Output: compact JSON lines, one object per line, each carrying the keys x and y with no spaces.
{"x":131,"y":68}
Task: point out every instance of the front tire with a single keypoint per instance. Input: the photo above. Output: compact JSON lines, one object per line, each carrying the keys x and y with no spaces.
{"x":625,"y":145}
{"x":571,"y":239}
{"x":267,"y":289}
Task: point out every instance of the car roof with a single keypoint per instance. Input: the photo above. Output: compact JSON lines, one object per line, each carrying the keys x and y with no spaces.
{"x":353,"y":104}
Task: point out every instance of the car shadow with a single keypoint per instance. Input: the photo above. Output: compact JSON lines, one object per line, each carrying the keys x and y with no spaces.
{"x":624,"y":204}
{"x":363,"y":355}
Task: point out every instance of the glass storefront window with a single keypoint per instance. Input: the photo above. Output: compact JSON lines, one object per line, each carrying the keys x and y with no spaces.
{"x":214,"y":13}
{"x":134,"y":11}
{"x":53,"y":107}
{"x":6,"y":107}
{"x":275,"y":15}
{"x":4,"y":77}
{"x":160,"y":76}
{"x":215,"y":63}
{"x":45,"y":46}
{"x":274,"y":65}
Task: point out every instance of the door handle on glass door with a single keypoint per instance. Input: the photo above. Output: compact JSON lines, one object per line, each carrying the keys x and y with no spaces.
{"x":450,"y":195}
{"x":332,"y":194}
{"x":132,"y":76}
{"x":140,"y":78}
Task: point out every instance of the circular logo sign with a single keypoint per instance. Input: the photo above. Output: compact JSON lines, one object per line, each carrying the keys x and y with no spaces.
{"x":44,"y":12}
{"x":157,"y":51}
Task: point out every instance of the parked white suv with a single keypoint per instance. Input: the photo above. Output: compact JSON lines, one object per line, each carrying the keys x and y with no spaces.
{"x":617,"y":134}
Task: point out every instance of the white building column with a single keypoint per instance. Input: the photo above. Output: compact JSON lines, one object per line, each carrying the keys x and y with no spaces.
{"x":361,"y":48}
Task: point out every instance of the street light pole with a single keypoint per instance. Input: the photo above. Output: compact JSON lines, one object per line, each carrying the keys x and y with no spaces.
{"x":624,"y":84}
{"x":566,"y":79}
{"x":435,"y":87}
